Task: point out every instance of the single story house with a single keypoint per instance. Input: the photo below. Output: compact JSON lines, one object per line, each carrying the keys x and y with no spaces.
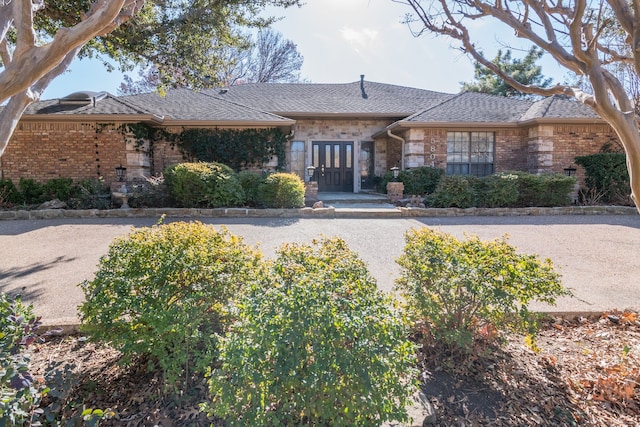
{"x":350,"y":132}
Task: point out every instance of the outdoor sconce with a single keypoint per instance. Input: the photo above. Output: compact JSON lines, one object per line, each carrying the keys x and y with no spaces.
{"x":121,"y":172}
{"x":395,"y":171}
{"x":310,"y":171}
{"x":570,"y":171}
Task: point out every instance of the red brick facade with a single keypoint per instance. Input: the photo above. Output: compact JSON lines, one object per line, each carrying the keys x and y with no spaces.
{"x":43,"y":150}
{"x":46,"y":150}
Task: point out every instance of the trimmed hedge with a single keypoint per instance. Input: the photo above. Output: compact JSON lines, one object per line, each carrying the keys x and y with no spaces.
{"x":206,"y":185}
{"x":508,"y":189}
{"x":282,"y":190}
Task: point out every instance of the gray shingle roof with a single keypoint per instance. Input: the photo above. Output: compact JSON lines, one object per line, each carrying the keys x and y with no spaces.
{"x":291,"y":99}
{"x":473,"y":108}
{"x":268,"y":102}
{"x":177,"y":105}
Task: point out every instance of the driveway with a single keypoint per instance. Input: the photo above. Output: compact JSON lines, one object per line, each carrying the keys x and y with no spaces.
{"x":44,"y":260}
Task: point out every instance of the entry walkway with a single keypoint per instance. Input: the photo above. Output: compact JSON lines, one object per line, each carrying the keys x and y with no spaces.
{"x":356,"y":200}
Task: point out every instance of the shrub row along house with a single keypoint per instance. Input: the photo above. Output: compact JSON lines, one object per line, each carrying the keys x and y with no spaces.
{"x":350,"y":132}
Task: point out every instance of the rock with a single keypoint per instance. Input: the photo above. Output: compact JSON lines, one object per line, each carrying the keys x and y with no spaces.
{"x":420,"y":411}
{"x":318,"y":205}
{"x":53,"y":204}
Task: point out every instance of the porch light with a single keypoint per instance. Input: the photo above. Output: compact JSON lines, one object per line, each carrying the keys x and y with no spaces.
{"x":121,"y":172}
{"x":310,"y":171}
{"x":395,"y":171}
{"x":570,"y":171}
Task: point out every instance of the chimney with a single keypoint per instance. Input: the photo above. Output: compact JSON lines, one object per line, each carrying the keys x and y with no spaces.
{"x":364,"y":94}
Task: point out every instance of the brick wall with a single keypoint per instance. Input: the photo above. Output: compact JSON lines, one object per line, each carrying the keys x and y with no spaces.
{"x":46,"y":150}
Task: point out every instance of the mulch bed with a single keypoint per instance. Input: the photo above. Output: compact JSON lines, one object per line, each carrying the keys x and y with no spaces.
{"x":585,"y":373}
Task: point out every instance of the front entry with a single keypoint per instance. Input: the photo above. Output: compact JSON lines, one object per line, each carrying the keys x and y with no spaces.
{"x":334,"y":166}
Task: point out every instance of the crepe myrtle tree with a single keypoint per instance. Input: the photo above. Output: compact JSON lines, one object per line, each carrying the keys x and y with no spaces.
{"x":576,"y":33}
{"x":40,"y":38}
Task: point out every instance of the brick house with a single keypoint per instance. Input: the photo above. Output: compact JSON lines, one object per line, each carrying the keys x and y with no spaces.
{"x":351,"y":132}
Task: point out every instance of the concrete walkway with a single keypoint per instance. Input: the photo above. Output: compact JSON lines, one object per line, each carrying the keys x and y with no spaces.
{"x":597,"y":255}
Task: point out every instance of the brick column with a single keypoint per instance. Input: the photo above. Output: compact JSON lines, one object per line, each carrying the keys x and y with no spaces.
{"x":311,"y":191}
{"x":395,"y":191}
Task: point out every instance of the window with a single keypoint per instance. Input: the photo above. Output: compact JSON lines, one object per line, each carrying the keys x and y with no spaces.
{"x":470,"y":153}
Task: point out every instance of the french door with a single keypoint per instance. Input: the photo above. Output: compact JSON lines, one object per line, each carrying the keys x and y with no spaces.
{"x":334,"y":166}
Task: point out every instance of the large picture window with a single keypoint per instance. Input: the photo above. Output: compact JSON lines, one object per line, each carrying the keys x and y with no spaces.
{"x":470,"y":153}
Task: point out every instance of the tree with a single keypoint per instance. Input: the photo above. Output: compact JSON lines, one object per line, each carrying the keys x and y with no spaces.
{"x":39,"y":40}
{"x":573,"y":32}
{"x":523,"y":70}
{"x":267,"y":59}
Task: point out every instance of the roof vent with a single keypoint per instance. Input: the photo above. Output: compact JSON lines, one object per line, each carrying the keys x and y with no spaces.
{"x":82,"y":98}
{"x":364,"y":94}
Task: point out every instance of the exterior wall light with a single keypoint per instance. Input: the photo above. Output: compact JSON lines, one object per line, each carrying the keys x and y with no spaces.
{"x":121,"y":172}
{"x":395,"y":171}
{"x":310,"y":171}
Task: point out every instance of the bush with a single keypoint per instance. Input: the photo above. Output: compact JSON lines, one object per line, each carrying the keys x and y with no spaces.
{"x":92,"y":194}
{"x":417,"y":181}
{"x":162,"y":291}
{"x":457,"y":288}
{"x":316,"y":344}
{"x":543,"y":190}
{"x":60,"y":188}
{"x":207,"y":185}
{"x":496,"y":191}
{"x":251,"y":183}
{"x":148,"y":193}
{"x":19,"y":394}
{"x":9,"y":194}
{"x":454,"y":191}
{"x":282,"y":190}
{"x":32,"y":191}
{"x":607,"y":177}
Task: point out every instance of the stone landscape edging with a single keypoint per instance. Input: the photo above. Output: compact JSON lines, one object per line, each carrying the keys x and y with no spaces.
{"x":328,"y":212}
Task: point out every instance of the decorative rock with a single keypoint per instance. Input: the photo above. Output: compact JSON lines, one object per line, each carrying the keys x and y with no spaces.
{"x":53,"y":204}
{"x":318,"y":205}
{"x":420,"y":411}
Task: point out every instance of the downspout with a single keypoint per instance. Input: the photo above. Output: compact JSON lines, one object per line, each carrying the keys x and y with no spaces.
{"x":397,"y":138}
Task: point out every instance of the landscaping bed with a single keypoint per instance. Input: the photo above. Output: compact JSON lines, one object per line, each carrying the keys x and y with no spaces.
{"x":585,"y":373}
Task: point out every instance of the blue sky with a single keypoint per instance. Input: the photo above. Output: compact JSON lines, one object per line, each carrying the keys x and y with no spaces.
{"x":342,"y":39}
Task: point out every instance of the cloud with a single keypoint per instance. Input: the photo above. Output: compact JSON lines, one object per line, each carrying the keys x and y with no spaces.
{"x":363,"y":41}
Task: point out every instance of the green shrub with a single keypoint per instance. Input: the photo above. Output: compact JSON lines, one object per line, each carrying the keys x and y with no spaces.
{"x":316,"y":344}
{"x":417,"y":181}
{"x":422,"y":180}
{"x":543,"y":190}
{"x":148,"y":193}
{"x":454,"y":191}
{"x":459,"y":287}
{"x":206,"y":185}
{"x":607,"y":177}
{"x":60,"y":188}
{"x":496,"y":191}
{"x":9,"y":194}
{"x":251,"y":183}
{"x":19,"y":393}
{"x":282,"y":190}
{"x":162,"y":291}
{"x":32,"y":191}
{"x":92,"y":194}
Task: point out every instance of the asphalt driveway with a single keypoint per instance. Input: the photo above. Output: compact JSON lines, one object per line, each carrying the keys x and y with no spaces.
{"x":598,"y":256}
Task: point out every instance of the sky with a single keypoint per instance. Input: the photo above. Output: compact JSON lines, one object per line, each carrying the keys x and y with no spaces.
{"x":340,"y":40}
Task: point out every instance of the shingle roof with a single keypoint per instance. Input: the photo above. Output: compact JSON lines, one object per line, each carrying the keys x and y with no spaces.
{"x":177,"y":105}
{"x":558,"y":107}
{"x":291,"y":99}
{"x":473,"y":107}
{"x":269,"y":102}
